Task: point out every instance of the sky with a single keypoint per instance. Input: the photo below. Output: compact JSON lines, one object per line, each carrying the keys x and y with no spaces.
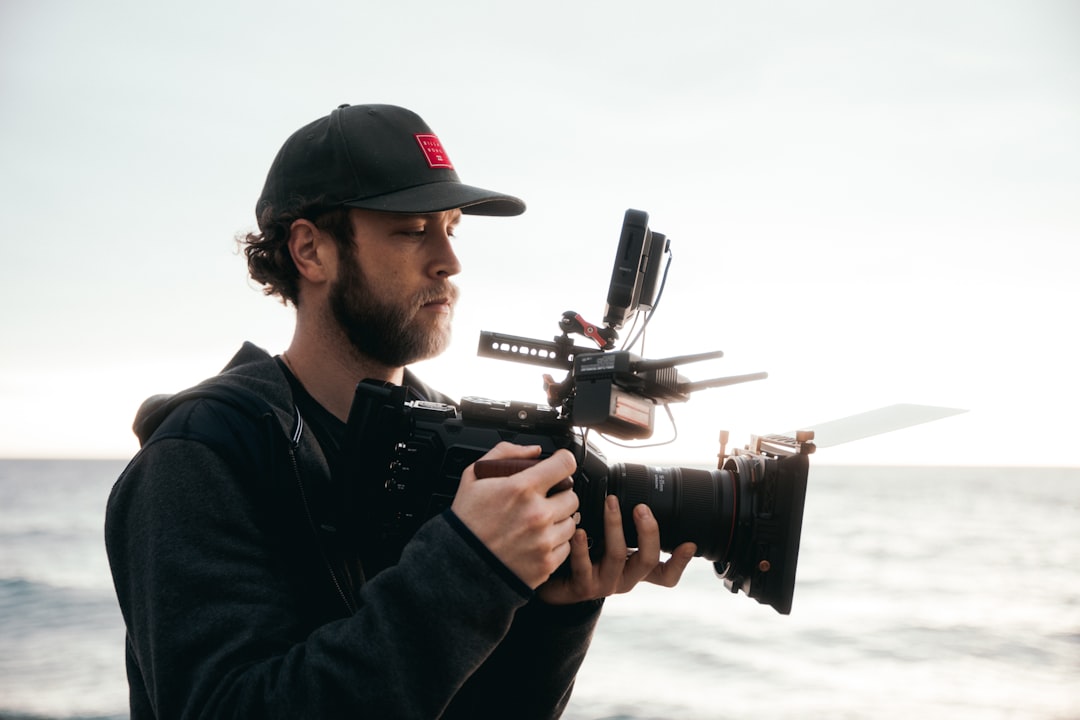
{"x":875,"y":203}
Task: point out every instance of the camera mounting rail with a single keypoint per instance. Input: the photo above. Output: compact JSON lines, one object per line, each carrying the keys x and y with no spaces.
{"x":613,"y":391}
{"x":559,"y":354}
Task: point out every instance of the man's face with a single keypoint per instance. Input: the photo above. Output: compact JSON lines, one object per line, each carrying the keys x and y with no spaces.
{"x":393,"y":298}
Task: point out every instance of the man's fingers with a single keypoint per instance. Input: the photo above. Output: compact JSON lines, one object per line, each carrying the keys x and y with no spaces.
{"x":502,"y":467}
{"x":641,"y":563}
{"x":507,"y":459}
{"x":553,"y":472}
{"x":668,"y":574}
{"x":512,"y":450}
{"x":610,"y":570}
{"x":503,"y":460}
{"x":614,"y":540}
{"x":581,"y":568}
{"x":567,"y":537}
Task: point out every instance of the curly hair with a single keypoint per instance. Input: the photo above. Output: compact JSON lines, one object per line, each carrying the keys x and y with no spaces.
{"x":269,"y":261}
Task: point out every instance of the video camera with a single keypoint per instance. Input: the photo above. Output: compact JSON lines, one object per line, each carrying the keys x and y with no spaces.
{"x":745,"y":516}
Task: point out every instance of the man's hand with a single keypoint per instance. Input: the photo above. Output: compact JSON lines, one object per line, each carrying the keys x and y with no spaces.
{"x":618,"y":570}
{"x":514,"y":516}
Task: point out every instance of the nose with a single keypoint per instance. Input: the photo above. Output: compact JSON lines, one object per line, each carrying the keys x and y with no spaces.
{"x":444,"y":261}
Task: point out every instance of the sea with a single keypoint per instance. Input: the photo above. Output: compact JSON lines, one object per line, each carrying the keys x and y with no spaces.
{"x":922,"y":592}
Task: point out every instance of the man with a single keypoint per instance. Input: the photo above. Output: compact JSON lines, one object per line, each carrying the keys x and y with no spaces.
{"x":244,"y":590}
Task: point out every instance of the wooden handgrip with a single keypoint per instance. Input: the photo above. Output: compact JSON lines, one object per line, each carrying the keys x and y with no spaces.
{"x":508,"y":466}
{"x":503,"y":467}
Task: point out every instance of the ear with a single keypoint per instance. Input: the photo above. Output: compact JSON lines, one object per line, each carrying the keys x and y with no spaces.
{"x":313,"y":251}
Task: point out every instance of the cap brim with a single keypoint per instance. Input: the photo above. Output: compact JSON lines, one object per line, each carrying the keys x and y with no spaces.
{"x":437,"y":197}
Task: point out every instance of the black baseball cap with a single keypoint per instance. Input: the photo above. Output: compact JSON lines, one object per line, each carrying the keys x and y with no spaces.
{"x":376,"y":157}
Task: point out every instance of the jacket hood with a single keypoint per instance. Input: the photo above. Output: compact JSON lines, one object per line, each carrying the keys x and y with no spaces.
{"x":252,"y":379}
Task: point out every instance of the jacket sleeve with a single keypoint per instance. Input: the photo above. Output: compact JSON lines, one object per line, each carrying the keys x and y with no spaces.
{"x":217,"y":626}
{"x":530,"y":675}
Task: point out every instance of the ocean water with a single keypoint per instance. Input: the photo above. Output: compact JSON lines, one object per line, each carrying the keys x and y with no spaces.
{"x":922,"y":593}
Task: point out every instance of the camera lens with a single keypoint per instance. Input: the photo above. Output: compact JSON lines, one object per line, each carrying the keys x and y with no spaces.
{"x":690,"y":505}
{"x":745,"y":518}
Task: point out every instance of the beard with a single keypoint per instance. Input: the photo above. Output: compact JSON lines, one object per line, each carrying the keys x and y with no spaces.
{"x":383,"y":331}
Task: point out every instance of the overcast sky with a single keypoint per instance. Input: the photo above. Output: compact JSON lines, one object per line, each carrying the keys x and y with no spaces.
{"x":876,"y":203}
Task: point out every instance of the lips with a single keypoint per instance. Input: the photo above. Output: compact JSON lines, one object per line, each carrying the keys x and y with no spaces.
{"x":442,"y":302}
{"x":441,"y":305}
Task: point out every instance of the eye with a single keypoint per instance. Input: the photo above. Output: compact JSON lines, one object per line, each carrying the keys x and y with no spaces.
{"x":422,"y":233}
{"x":424,"y":228}
{"x":412,"y":233}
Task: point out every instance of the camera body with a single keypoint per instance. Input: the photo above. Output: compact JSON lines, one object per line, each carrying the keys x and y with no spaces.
{"x":409,"y":455}
{"x":404,"y":458}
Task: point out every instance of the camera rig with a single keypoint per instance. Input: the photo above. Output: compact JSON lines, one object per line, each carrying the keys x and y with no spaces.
{"x":745,"y":516}
{"x":613,"y":392}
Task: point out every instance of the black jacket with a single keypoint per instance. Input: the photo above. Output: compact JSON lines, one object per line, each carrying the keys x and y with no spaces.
{"x":241,"y":601}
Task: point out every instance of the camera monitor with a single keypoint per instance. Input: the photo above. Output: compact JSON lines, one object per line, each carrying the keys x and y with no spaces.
{"x":636,"y":270}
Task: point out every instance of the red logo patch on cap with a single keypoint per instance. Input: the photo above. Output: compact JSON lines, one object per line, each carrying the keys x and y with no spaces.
{"x":433,"y":151}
